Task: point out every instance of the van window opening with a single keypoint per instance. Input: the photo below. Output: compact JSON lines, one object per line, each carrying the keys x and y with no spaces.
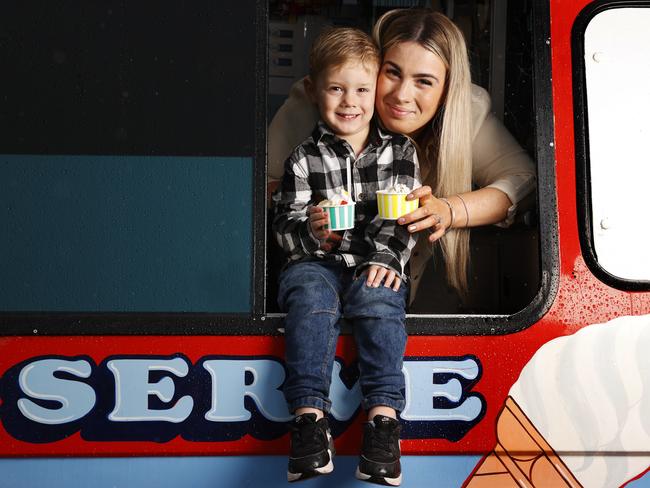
{"x":505,"y":263}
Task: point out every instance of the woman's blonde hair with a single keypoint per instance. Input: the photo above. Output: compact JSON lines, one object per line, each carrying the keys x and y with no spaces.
{"x":445,"y":146}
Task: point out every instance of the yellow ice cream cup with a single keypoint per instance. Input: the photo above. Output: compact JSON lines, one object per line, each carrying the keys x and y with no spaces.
{"x":392,"y":205}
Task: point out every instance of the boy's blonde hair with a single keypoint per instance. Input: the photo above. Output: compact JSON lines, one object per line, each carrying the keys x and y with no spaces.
{"x":336,"y":46}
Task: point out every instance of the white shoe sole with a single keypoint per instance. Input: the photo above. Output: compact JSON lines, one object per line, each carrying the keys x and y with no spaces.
{"x":389,"y":481}
{"x":327,"y":469}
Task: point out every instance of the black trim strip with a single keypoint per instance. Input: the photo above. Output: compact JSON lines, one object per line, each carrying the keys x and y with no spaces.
{"x":130,"y":323}
{"x":581,"y":136}
{"x":258,"y":280}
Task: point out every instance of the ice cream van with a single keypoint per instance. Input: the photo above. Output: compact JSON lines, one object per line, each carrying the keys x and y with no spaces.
{"x":141,"y":344}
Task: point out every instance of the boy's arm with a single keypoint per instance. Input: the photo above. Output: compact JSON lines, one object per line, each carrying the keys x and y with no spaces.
{"x":393,"y":243}
{"x":291,"y":201}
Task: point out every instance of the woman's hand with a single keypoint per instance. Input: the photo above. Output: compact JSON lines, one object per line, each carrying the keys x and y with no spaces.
{"x":432,"y":214}
{"x":375,"y":274}
{"x":318,"y":220}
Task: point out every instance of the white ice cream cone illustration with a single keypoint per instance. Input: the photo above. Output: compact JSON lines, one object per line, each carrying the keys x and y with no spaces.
{"x":579,"y":414}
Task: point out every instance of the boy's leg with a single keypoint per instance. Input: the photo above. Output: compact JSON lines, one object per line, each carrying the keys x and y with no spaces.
{"x":309,"y":293}
{"x":378,"y":317}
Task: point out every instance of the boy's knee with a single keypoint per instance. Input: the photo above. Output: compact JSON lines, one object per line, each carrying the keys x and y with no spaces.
{"x":306,"y":285}
{"x":367,"y":301}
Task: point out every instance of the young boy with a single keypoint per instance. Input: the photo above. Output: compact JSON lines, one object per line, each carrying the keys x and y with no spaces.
{"x":359,"y":275}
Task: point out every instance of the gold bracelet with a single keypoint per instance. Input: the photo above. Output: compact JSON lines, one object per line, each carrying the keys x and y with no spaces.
{"x":451,"y":211}
{"x":466,"y":211}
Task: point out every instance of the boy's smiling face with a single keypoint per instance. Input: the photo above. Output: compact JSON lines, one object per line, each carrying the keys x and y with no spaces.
{"x":346,"y":96}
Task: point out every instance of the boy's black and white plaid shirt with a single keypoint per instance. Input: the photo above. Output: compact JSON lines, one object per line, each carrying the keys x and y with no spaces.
{"x":316,"y":170}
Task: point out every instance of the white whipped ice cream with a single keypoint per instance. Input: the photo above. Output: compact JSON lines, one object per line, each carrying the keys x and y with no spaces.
{"x":398,"y":188}
{"x":588,"y":394}
{"x":339,"y":198}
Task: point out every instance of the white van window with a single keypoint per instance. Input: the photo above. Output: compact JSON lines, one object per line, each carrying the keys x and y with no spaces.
{"x":617,"y":69}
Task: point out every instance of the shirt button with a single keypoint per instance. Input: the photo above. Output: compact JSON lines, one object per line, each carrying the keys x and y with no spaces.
{"x":360,"y":196}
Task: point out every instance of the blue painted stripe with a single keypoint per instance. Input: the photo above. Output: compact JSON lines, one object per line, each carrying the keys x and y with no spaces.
{"x":223,"y":472}
{"x":211,"y":472}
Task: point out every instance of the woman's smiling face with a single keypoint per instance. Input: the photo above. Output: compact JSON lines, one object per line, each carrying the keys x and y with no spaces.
{"x":410,"y":86}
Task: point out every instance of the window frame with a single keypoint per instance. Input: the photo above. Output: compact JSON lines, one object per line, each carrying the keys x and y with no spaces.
{"x":499,"y":324}
{"x":258,"y":322}
{"x":581,"y":137}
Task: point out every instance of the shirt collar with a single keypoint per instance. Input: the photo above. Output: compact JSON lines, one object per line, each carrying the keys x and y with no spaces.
{"x":376,"y":135}
{"x":321,"y":131}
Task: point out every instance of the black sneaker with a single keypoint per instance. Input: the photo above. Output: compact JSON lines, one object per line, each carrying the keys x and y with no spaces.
{"x":379,"y":461}
{"x":312,"y":448}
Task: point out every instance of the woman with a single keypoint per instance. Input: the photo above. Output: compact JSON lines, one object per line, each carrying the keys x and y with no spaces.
{"x":424,"y":91}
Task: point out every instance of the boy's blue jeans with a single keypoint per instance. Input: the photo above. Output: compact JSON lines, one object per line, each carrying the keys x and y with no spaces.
{"x":315,"y":295}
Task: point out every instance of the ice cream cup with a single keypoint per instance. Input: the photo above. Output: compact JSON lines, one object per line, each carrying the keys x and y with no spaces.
{"x":341,"y":216}
{"x":392,"y":205}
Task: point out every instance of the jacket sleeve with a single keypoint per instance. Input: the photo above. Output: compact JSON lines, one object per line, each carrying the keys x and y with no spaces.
{"x":291,"y":202}
{"x":393,"y":243}
{"x":292,"y":124}
{"x":498,"y":161}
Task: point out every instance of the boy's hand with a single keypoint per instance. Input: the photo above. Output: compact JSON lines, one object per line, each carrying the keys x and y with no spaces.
{"x":333,"y":241}
{"x":317,"y":221}
{"x":375,"y":275}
